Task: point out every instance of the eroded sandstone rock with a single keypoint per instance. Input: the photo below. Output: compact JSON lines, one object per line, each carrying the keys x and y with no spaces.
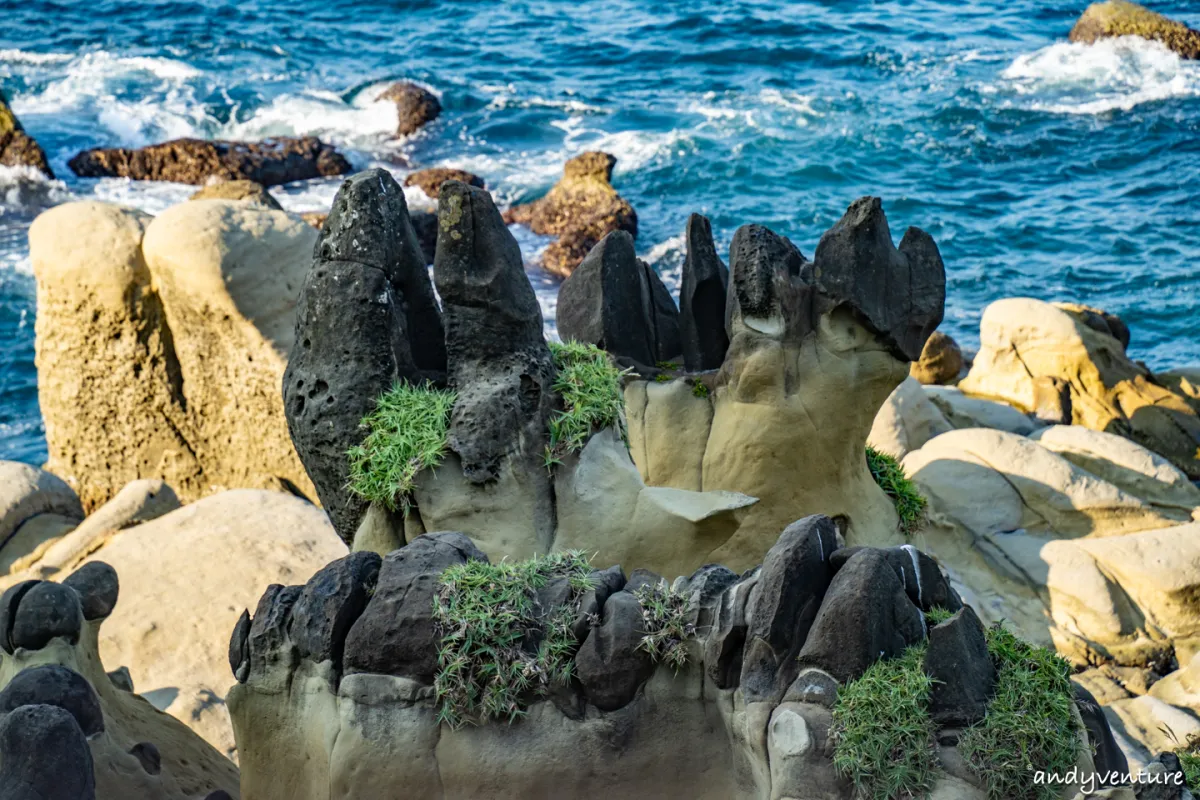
{"x":1121,"y":18}
{"x":17,"y":148}
{"x":270,"y":162}
{"x":580,"y":210}
{"x":430,"y":180}
{"x":941,"y":361}
{"x":248,"y":191}
{"x":731,"y":723}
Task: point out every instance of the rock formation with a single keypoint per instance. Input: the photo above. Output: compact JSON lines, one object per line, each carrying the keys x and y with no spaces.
{"x":340,"y":689}
{"x":36,"y":508}
{"x":617,"y":302}
{"x":703,"y":288}
{"x":940,"y":363}
{"x":1028,"y":345}
{"x":430,"y":180}
{"x":17,"y":148}
{"x":187,"y":573}
{"x":161,"y":344}
{"x":1121,"y":18}
{"x":270,"y":162}
{"x":366,"y":318}
{"x":69,"y":730}
{"x":580,"y":210}
{"x":416,"y":106}
{"x":248,"y":191}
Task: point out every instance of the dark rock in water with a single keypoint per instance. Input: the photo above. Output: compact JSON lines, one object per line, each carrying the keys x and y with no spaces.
{"x":866,"y":616}
{"x":98,"y":588}
{"x":366,"y":318}
{"x":270,"y":162}
{"x":430,"y":180}
{"x":618,"y":303}
{"x":425,"y":225}
{"x":55,"y":685}
{"x":416,"y":106}
{"x":793,"y":580}
{"x":250,"y":191}
{"x":499,"y":362}
{"x":1106,"y":753}
{"x":580,"y":210}
{"x":47,"y":611}
{"x":269,"y":649}
{"x":331,"y":602}
{"x":395,"y":635}
{"x":898,"y":293}
{"x":940,"y":363}
{"x":702,"y":294}
{"x":17,"y":148}
{"x":965,"y":678}
{"x":45,"y":756}
{"x":610,"y":665}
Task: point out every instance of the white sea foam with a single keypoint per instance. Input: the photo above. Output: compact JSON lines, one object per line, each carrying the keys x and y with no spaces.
{"x":1110,"y":75}
{"x":15,"y":56}
{"x":364,"y":123}
{"x":26,"y":188}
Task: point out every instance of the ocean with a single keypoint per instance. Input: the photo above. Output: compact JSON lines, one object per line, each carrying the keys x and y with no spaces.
{"x":1042,"y":168}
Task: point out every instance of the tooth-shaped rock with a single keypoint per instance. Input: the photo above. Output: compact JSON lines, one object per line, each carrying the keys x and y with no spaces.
{"x":865,"y":616}
{"x":702,"y":291}
{"x":331,"y":602}
{"x":239,"y":648}
{"x":501,"y":368}
{"x":618,"y":303}
{"x":10,"y":601}
{"x":366,"y":318}
{"x":271,"y":651}
{"x":900,"y":294}
{"x":45,"y":756}
{"x":793,"y":580}
{"x":964,"y":677}
{"x":767,"y":290}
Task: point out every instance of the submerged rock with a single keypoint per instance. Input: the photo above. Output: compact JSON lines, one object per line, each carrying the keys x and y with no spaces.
{"x":415,"y":105}
{"x":580,"y":210}
{"x":17,"y":148}
{"x":1121,"y":18}
{"x":270,"y":162}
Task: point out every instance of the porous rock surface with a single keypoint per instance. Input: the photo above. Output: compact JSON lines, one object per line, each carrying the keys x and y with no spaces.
{"x":161,"y":344}
{"x":270,"y":162}
{"x":68,"y":731}
{"x":1121,"y":18}
{"x":580,"y":210}
{"x":430,"y":180}
{"x":353,"y":711}
{"x":17,"y":148}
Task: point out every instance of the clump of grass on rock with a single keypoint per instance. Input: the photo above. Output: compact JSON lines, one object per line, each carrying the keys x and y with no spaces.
{"x":589,"y":385}
{"x":910,"y":503}
{"x":664,"y":624}
{"x":883,"y":734}
{"x":406,"y":433}
{"x":1029,"y":725}
{"x":499,"y":648}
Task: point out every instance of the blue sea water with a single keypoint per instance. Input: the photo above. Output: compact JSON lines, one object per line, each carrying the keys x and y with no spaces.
{"x":1041,"y":168}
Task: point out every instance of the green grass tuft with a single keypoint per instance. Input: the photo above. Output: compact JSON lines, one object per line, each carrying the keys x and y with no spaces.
{"x":590,"y":387}
{"x":699,"y":389}
{"x":1189,"y":759}
{"x":665,"y":626}
{"x":406,"y":433}
{"x":1029,"y":725}
{"x":937,"y":615}
{"x":910,"y":503}
{"x":498,"y":647}
{"x":882,"y":732}
{"x":667,"y":365}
